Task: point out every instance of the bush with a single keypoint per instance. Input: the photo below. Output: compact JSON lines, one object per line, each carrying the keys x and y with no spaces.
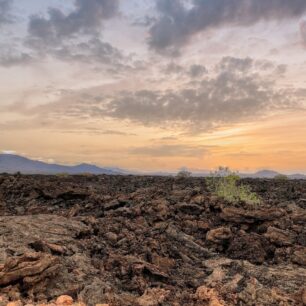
{"x":183,"y":174}
{"x":281,"y":177}
{"x":224,"y":184}
{"x":62,"y":174}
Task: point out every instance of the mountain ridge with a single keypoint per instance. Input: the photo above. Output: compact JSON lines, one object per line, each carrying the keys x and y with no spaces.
{"x":11,"y":163}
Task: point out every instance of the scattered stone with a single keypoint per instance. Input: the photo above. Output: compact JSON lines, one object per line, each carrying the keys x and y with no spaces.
{"x":304,"y":296}
{"x":153,"y":297}
{"x":299,"y":256}
{"x":64,"y":300}
{"x":209,"y":295}
{"x":239,"y":215}
{"x":247,"y":247}
{"x":17,"y":303}
{"x":219,"y":235}
{"x":280,"y":237}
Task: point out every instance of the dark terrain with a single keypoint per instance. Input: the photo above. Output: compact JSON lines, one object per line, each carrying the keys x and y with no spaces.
{"x":127,"y":240}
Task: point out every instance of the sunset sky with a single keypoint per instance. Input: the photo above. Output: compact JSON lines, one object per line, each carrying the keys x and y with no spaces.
{"x":155,"y":84}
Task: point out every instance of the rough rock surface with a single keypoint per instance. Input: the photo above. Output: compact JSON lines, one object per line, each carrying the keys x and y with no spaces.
{"x":146,"y":241}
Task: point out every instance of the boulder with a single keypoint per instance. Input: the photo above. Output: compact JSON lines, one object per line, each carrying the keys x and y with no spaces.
{"x":239,"y":215}
{"x":219,"y":235}
{"x":280,"y":237}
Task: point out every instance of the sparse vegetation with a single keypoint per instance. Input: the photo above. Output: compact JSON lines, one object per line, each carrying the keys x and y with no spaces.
{"x":62,"y":174}
{"x":281,"y":177}
{"x":225,"y":184}
{"x":183,"y":174}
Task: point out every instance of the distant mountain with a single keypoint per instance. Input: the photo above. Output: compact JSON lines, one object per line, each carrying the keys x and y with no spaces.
{"x":297,"y":176}
{"x":13,"y":163}
{"x":265,"y":174}
{"x":269,"y":174}
{"x":10,"y":163}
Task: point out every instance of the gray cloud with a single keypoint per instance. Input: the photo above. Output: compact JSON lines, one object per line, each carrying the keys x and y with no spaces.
{"x":10,"y":57}
{"x":193,"y":71}
{"x":303,"y":31}
{"x":5,"y":6}
{"x":196,"y":71}
{"x":97,"y":131}
{"x":238,"y":90}
{"x":73,"y":37}
{"x":178,"y":22}
{"x":167,"y":150}
{"x":94,"y":50}
{"x":87,"y":17}
{"x":117,"y":133}
{"x":173,"y":68}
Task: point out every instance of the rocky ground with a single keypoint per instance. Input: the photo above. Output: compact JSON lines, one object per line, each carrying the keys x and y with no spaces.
{"x":146,"y":241}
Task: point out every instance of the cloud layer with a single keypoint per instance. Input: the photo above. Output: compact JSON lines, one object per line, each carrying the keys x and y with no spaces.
{"x":171,"y":150}
{"x":238,"y":89}
{"x":5,"y":6}
{"x":178,"y":22}
{"x":87,"y":17}
{"x":74,"y":36}
{"x":303,"y":31}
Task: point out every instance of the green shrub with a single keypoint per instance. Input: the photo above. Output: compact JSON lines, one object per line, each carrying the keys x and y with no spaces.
{"x":183,"y":174}
{"x":281,"y":177}
{"x":62,"y":174}
{"x":224,"y":184}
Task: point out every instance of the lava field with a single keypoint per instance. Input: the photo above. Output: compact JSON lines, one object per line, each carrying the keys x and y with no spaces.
{"x":149,"y":241}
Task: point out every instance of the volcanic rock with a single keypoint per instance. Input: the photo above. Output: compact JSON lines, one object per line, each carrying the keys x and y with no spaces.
{"x":128,"y":240}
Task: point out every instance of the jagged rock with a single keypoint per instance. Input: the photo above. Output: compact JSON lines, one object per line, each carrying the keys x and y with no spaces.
{"x":280,"y":237}
{"x":64,"y":300}
{"x":16,"y":303}
{"x":112,"y":237}
{"x":191,"y":209}
{"x":239,"y":215}
{"x":304,"y":296}
{"x":208,"y":295}
{"x":219,"y":235}
{"x":299,"y":256}
{"x":163,"y":263}
{"x":153,"y":297}
{"x":247,"y":247}
{"x":199,"y":199}
{"x":30,"y":268}
{"x":187,"y":241}
{"x":118,"y":240}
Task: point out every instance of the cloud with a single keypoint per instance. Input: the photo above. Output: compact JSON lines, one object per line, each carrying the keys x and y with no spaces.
{"x":5,"y":7}
{"x":235,"y":91}
{"x":193,"y":71}
{"x":8,"y":152}
{"x":239,"y":90}
{"x":75,"y":36}
{"x":167,"y":150}
{"x":117,"y":133}
{"x":10,"y":56}
{"x":173,"y":68}
{"x":178,"y":22}
{"x":196,"y":71}
{"x":303,"y":31}
{"x":92,"y":51}
{"x":87,"y":17}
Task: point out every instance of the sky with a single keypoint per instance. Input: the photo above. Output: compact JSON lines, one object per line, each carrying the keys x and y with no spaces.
{"x":155,"y":84}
